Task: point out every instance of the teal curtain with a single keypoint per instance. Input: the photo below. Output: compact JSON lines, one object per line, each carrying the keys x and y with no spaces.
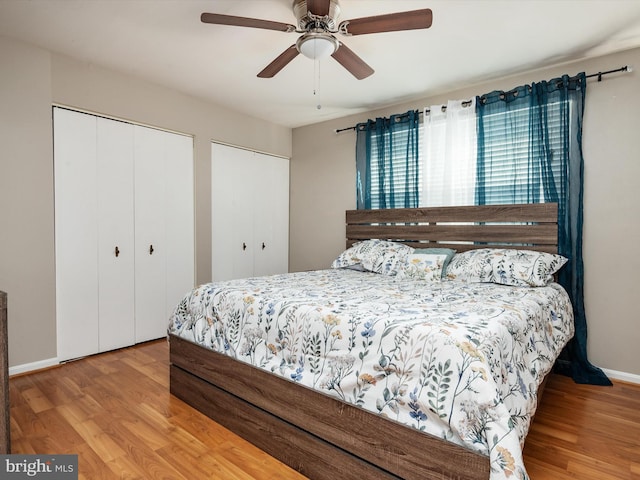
{"x":387,"y":162}
{"x":530,"y":150}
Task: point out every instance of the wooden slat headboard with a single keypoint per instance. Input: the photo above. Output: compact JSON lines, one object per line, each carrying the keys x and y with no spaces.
{"x":531,"y":226}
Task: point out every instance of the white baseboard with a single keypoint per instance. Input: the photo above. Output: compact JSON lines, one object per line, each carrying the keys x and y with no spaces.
{"x":30,"y":367}
{"x":623,"y":376}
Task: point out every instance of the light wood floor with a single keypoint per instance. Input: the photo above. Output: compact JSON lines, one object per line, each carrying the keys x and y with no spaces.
{"x":115,"y":411}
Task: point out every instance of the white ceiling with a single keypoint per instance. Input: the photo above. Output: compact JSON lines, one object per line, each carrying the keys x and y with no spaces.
{"x":470,"y":41}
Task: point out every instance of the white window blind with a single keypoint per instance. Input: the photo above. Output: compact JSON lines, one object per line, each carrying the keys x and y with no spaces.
{"x":516,"y":151}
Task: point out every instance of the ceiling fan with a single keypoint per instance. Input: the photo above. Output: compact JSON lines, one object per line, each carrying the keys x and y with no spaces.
{"x":317,"y":22}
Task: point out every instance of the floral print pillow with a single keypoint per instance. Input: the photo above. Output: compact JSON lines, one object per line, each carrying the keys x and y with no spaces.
{"x":521,"y":268}
{"x":378,"y":256}
{"x":423,"y":266}
{"x":428,"y":264}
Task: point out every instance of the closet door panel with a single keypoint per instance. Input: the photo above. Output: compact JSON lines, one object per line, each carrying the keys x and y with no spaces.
{"x":280,"y":199}
{"x":263,"y":227}
{"x":231,"y":212}
{"x":242,"y":228}
{"x":115,"y":234}
{"x":164,"y":227}
{"x":221,"y":213}
{"x":271,"y":219}
{"x":179,"y":221}
{"x":76,"y":233}
{"x":151,"y":247}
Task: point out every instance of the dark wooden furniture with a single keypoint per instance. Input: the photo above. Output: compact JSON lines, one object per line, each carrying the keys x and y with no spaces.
{"x":325,"y":438}
{"x":5,"y":422}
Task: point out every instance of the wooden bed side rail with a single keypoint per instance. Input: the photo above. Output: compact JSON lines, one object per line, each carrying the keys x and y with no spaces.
{"x":389,"y":446}
{"x":524,"y":226}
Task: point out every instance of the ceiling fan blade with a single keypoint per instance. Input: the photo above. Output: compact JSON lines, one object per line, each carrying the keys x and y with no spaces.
{"x":352,"y":62}
{"x":393,"y":22}
{"x":279,"y":63}
{"x":219,"y":19}
{"x":318,"y":7}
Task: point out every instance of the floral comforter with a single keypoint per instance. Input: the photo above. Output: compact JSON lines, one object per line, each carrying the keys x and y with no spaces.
{"x":462,"y":361}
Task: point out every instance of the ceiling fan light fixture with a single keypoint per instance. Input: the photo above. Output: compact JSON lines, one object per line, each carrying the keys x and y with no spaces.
{"x":317,"y":45}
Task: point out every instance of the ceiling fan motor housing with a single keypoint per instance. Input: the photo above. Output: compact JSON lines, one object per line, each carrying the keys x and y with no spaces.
{"x":308,"y":22}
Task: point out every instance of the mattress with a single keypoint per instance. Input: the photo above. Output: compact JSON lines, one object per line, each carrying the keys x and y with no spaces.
{"x":462,"y":361}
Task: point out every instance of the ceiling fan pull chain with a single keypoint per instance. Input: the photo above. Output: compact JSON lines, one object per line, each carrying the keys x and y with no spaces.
{"x":316,"y":81}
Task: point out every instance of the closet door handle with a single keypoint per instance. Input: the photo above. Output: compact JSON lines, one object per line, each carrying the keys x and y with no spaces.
{"x":244,"y":246}
{"x":150,"y":249}
{"x":263,"y":246}
{"x":117,"y":251}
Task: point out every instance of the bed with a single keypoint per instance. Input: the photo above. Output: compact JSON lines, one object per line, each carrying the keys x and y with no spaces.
{"x":358,"y":370}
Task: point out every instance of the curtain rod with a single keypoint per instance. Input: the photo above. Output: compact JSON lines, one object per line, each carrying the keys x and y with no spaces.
{"x":626,"y":68}
{"x":465,"y":103}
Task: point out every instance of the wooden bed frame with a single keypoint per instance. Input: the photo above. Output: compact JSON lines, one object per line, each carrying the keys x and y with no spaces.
{"x":320,"y":436}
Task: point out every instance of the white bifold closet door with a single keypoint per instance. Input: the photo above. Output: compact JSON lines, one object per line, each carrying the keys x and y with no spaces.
{"x":271,"y":215}
{"x":94,"y":234}
{"x":124,"y":231}
{"x":115,"y":222}
{"x":231,"y":213}
{"x":250,"y":213}
{"x":164,"y":226}
{"x":76,"y":233}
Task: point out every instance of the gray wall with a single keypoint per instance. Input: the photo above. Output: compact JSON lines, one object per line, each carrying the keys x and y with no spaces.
{"x":323,"y":179}
{"x":26,"y":202}
{"x":31,"y":79}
